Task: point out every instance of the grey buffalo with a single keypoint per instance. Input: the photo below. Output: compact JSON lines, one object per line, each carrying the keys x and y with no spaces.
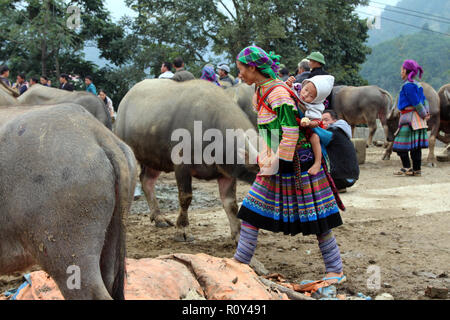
{"x":362,"y":105}
{"x":444,"y":98}
{"x":154,"y":110}
{"x":433,"y":124}
{"x":66,"y":186}
{"x":243,"y":94}
{"x":6,"y":96}
{"x":41,"y":95}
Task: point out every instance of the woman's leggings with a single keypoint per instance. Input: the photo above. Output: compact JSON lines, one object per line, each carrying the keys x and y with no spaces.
{"x":416,"y":156}
{"x":327,"y":244}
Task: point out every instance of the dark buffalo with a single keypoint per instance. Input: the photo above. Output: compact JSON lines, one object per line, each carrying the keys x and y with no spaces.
{"x":148,"y":116}
{"x":362,"y":105}
{"x":66,"y":186}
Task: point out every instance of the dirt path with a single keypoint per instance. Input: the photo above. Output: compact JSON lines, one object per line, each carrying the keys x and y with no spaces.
{"x":399,"y":225}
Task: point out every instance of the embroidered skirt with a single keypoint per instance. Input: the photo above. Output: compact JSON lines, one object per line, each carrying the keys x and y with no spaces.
{"x":409,"y":139}
{"x":284,"y":203}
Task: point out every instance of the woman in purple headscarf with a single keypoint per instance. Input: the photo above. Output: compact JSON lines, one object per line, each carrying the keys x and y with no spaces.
{"x":412,"y":136}
{"x":209,"y":75}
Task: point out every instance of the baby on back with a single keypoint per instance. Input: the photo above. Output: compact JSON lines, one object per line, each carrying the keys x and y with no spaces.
{"x":313,"y":93}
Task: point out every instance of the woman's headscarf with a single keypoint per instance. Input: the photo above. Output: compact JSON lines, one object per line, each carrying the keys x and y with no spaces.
{"x":267,"y":63}
{"x":209,"y":75}
{"x":415,"y":69}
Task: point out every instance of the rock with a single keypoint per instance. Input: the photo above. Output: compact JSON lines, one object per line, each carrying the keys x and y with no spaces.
{"x":436,"y":293}
{"x":372,"y":262}
{"x":386,"y":285}
{"x":193,"y":295}
{"x":360,"y":147}
{"x":384,"y":296}
{"x":429,"y":275}
{"x":383,"y":233}
{"x":443,"y":275}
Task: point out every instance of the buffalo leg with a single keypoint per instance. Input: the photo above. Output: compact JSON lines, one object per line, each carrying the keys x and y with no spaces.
{"x":431,"y":156}
{"x":148,"y":181}
{"x":372,"y":129}
{"x":184,"y":182}
{"x":227,"y":190}
{"x":388,"y":152}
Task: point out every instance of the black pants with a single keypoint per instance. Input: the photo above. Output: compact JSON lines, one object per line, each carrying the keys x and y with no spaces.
{"x":416,"y":156}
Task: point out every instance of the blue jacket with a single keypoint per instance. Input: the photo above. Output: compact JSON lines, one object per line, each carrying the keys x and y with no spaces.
{"x":92,"y":89}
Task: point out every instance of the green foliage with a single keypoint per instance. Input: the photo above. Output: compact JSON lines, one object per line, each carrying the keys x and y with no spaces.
{"x":429,"y":50}
{"x":292,"y":28}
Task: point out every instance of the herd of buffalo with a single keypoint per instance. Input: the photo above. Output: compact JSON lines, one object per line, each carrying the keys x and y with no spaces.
{"x":67,"y":177}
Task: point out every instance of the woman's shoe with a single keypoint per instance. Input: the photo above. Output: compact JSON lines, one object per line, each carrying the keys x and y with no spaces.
{"x":403,"y":172}
{"x":418,"y":173}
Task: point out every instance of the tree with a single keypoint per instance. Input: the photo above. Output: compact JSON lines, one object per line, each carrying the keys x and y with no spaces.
{"x":38,"y":37}
{"x":292,"y":28}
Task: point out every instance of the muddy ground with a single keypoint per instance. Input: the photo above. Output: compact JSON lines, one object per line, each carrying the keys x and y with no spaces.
{"x":399,"y":224}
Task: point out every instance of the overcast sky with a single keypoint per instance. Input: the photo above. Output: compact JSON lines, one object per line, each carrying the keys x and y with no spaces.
{"x":119,"y":9}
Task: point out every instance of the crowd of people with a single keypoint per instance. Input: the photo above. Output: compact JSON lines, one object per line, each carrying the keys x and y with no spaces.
{"x":22,"y":85}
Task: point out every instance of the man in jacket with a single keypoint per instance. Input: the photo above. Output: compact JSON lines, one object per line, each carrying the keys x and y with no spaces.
{"x":344,"y":167}
{"x":181,"y":74}
{"x":65,"y":84}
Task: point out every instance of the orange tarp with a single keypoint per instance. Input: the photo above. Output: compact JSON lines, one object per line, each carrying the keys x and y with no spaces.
{"x":174,"y":277}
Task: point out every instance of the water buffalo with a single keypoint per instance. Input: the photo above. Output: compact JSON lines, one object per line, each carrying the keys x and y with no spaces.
{"x":41,"y":95}
{"x":433,"y":124}
{"x":362,"y":105}
{"x":243,"y":94}
{"x":66,"y":186}
{"x":444,"y":98}
{"x":148,"y":116}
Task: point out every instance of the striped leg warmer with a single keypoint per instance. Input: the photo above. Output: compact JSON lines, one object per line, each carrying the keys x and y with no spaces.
{"x":247,"y":243}
{"x":330,"y":252}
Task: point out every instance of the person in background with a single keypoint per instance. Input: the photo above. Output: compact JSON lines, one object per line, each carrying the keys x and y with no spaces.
{"x":4,"y":75}
{"x":33,"y":81}
{"x":181,"y":74}
{"x":208,"y":74}
{"x":224,"y":73}
{"x":414,"y":110}
{"x":284,"y":74}
{"x":64,"y":82}
{"x":166,"y":71}
{"x":108,"y":102}
{"x":344,"y":167}
{"x":44,"y":81}
{"x":317,"y":63}
{"x":90,"y":87}
{"x":303,"y":71}
{"x":21,"y":84}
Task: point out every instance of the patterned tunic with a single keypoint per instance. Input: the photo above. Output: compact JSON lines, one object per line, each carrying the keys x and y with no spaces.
{"x":290,"y":201}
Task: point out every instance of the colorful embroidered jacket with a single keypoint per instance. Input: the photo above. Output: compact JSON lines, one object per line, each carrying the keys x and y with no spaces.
{"x":283,"y":125}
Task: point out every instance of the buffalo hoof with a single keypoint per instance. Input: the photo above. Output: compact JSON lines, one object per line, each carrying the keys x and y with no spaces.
{"x":162,"y":222}
{"x":183,"y":236}
{"x":432,"y":165}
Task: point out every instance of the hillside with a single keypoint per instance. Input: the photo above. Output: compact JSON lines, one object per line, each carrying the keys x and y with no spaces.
{"x":430,"y":50}
{"x":408,"y":12}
